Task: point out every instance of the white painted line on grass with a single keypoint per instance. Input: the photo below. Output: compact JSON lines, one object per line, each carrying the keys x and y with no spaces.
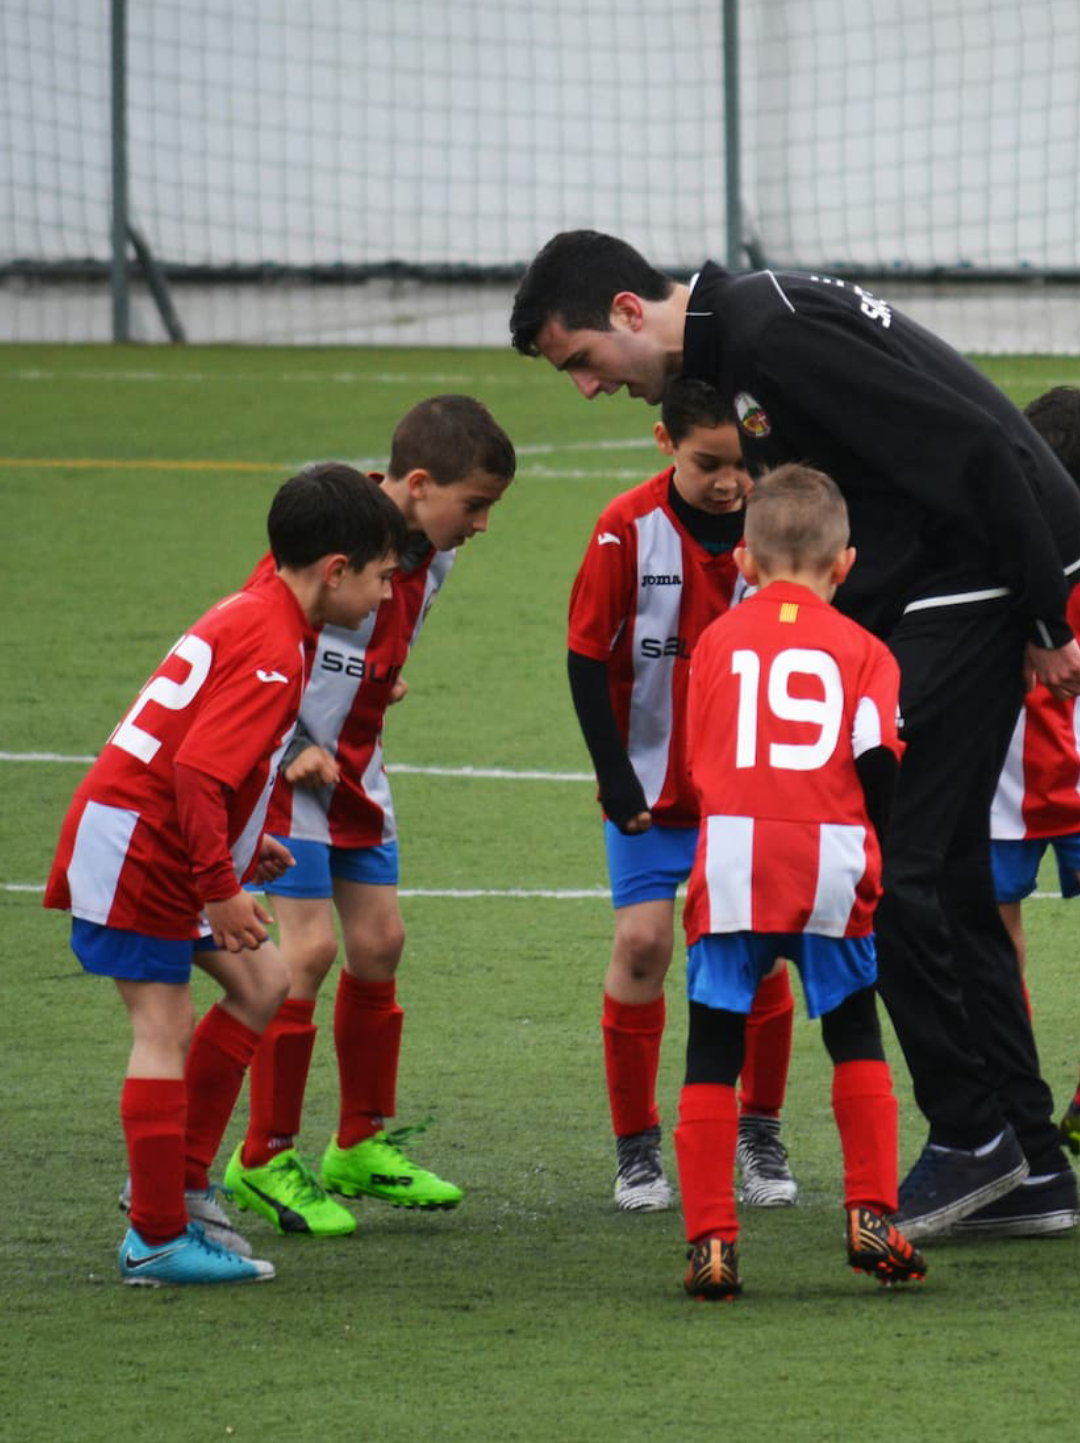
{"x":497,"y":774}
{"x":557,"y":894}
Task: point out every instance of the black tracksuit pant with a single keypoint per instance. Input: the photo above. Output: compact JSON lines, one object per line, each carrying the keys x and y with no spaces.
{"x":947,"y":970}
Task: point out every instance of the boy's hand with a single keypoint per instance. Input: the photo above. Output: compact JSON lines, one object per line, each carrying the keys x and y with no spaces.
{"x":237,"y":922}
{"x":623,"y":799}
{"x":275,"y":859}
{"x":314,"y":767}
{"x":398,"y":690}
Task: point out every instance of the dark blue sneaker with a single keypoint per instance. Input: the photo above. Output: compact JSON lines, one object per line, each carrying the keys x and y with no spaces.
{"x":1039,"y":1207}
{"x":190,"y":1258}
{"x":947,"y":1183}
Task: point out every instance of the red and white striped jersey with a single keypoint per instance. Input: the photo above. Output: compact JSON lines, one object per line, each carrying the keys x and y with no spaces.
{"x":785,"y":694}
{"x":224,"y":701}
{"x":1038,"y":792}
{"x":644,"y":593}
{"x":343,"y":710}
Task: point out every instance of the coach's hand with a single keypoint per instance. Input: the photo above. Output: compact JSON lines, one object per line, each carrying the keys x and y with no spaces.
{"x":1057,"y":668}
{"x":237,"y":922}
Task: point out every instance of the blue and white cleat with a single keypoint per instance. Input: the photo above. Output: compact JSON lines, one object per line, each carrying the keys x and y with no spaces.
{"x":190,"y":1258}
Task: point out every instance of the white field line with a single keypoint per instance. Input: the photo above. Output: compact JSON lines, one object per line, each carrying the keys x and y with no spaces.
{"x":497,"y":774}
{"x":557,"y":894}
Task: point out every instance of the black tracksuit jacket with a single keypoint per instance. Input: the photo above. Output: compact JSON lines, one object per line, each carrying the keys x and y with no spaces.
{"x":951,"y":492}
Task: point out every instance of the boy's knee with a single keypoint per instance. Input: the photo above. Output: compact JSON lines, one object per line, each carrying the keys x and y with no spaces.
{"x":310,"y":961}
{"x":373,"y":954}
{"x":642,"y":952}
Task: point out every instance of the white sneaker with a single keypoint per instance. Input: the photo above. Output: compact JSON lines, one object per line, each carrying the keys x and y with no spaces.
{"x":203,"y":1208}
{"x":640,"y":1184}
{"x":763,"y":1165}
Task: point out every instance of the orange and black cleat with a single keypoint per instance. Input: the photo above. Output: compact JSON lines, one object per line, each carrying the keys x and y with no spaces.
{"x":713,"y":1272}
{"x":877,"y":1248}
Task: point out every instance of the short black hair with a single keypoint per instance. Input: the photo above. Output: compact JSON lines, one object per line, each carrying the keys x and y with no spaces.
{"x":330,"y":507}
{"x":574,"y":279}
{"x":449,"y":436}
{"x":688,"y":403}
{"x":1056,"y":416}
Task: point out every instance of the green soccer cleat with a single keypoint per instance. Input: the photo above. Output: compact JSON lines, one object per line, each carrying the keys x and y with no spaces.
{"x":287,"y":1194}
{"x":378,"y":1168}
{"x":1069,"y":1127}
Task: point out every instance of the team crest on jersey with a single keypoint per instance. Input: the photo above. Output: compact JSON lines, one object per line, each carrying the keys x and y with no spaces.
{"x":751,"y":414}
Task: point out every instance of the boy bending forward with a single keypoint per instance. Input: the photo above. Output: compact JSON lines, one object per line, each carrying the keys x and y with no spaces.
{"x":793,"y":747}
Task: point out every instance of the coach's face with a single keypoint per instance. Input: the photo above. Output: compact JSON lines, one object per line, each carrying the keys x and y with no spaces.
{"x":602,"y":362}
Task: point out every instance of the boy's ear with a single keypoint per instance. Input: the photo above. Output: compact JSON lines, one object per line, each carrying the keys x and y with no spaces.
{"x":746,"y":565}
{"x":663,"y":438}
{"x":842,"y":565}
{"x":418,"y":480}
{"x":334,"y":567}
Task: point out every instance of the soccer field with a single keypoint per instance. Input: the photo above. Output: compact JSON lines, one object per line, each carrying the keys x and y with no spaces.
{"x":135,"y":485}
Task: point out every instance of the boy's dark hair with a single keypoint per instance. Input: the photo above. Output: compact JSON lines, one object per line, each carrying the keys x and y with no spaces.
{"x":449,"y":436}
{"x":687,"y":404}
{"x":574,"y":278}
{"x":330,"y":507}
{"x":796,"y":517}
{"x":1056,"y":416}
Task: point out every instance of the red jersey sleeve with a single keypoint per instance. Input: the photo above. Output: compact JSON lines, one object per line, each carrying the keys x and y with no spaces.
{"x":877,"y":709}
{"x":253,"y":698}
{"x":603,"y":589}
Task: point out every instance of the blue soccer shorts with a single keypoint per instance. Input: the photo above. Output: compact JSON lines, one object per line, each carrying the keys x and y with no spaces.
{"x":1016,"y":865}
{"x":317,"y":863}
{"x":723,"y":969}
{"x":649,"y":866}
{"x":132,"y":956}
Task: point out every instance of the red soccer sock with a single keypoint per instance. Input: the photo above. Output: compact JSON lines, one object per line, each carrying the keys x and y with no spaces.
{"x":153,"y":1111}
{"x":632,"y":1036}
{"x":279,"y":1073}
{"x":763,"y":1080}
{"x":220,"y":1055}
{"x":367,"y":1036}
{"x":866,"y":1115}
{"x":705,"y":1139}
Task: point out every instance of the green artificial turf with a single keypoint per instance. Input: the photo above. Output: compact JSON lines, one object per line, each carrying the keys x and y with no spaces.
{"x":535,"y":1311}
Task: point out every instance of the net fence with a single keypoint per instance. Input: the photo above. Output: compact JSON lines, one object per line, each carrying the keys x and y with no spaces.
{"x":342,"y":152}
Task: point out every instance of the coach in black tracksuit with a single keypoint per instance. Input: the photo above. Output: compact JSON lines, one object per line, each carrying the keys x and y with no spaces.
{"x":965,"y":526}
{"x":968,"y":534}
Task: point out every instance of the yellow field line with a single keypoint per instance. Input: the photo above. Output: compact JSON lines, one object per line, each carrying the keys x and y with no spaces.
{"x":108,"y":463}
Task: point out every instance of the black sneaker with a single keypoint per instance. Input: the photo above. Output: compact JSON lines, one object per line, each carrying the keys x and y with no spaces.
{"x":947,"y":1183}
{"x":1039,"y":1207}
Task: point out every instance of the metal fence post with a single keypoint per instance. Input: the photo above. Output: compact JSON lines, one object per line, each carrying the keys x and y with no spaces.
{"x":732,"y":146}
{"x":121,"y":301}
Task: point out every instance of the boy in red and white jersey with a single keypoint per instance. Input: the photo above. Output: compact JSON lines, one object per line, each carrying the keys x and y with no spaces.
{"x":166,"y":826}
{"x":449,"y":464}
{"x":1036,"y":806}
{"x":793,"y":747}
{"x":659,"y":568}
